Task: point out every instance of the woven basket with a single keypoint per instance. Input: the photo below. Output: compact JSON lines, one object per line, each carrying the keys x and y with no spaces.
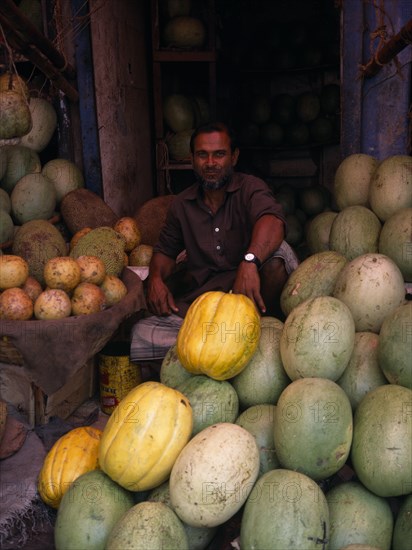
{"x":9,"y":354}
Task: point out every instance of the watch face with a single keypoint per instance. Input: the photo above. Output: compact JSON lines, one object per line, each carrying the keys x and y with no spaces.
{"x":249,"y":257}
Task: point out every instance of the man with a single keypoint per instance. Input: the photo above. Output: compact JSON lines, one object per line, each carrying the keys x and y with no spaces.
{"x":231,"y":230}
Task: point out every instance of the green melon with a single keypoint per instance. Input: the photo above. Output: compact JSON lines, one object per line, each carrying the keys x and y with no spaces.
{"x":37,"y":241}
{"x":317,"y":339}
{"x":5,"y":202}
{"x":372,"y":286}
{"x":212,"y":401}
{"x":172,"y":8}
{"x":313,"y":427}
{"x":33,"y":198}
{"x":314,"y":276}
{"x":318,"y":232}
{"x":259,"y":421}
{"x":148,"y":525}
{"x":88,"y":512}
{"x":395,"y":241}
{"x":286,"y":197}
{"x":260,"y":109}
{"x":363,"y":372}
{"x":321,"y":130}
{"x":313,"y":200}
{"x":15,"y":117}
{"x":307,"y":106}
{"x":294,"y":230}
{"x":283,"y":108}
{"x":285,"y":510}
{"x":297,"y":133}
{"x":197,"y":537}
{"x":355,"y":231}
{"x":44,"y":119}
{"x":172,"y":372}
{"x":6,"y":227}
{"x":178,"y":145}
{"x":20,"y":161}
{"x":271,"y":134}
{"x":185,"y":32}
{"x":381,"y":451}
{"x":402,"y":533}
{"x":64,"y":175}
{"x":264,"y":378}
{"x":391,"y":186}
{"x":357,"y":516}
{"x":352,"y":180}
{"x":178,"y":112}
{"x":394,"y":349}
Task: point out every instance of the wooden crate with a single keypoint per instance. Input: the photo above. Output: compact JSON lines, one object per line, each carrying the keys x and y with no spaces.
{"x":38,"y":407}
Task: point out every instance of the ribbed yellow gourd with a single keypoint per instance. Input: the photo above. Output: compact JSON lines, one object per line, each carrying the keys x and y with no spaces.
{"x":73,"y":454}
{"x":144,"y":435}
{"x":219,"y":335}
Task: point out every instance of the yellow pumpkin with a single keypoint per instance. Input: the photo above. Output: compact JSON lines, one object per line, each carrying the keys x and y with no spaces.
{"x":144,"y":435}
{"x":73,"y":454}
{"x":219,"y":335}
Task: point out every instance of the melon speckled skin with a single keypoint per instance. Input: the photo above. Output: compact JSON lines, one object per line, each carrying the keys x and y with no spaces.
{"x":352,"y":180}
{"x":381,"y":450}
{"x":285,"y":510}
{"x":214,"y":474}
{"x":33,"y":198}
{"x":395,"y":239}
{"x":44,"y":119}
{"x":313,"y":427}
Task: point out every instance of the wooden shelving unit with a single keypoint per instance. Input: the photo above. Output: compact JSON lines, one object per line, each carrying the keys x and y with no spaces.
{"x":162,"y":60}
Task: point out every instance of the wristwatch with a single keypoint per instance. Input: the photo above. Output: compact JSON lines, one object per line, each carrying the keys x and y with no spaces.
{"x":250,"y":257}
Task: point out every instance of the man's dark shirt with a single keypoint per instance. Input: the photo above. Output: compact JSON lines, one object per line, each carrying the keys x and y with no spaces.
{"x":215,"y":243}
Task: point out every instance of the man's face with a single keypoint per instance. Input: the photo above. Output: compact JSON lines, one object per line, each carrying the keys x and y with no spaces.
{"x":213,"y":160}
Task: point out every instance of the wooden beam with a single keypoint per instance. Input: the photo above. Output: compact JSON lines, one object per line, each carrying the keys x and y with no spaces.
{"x":29,"y":35}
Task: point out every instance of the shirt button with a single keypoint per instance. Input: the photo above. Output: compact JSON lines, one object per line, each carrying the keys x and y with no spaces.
{"x":218,"y":247}
{"x":217,"y":229}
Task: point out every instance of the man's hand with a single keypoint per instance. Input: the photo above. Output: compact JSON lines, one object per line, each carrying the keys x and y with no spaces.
{"x":247,"y":282}
{"x":159,"y":299}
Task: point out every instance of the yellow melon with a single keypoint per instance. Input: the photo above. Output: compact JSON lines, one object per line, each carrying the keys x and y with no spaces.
{"x":114,"y":289}
{"x":32,"y":287}
{"x":15,"y":305}
{"x":87,"y":298}
{"x":62,"y":272}
{"x":14,"y":271}
{"x":53,"y":303}
{"x":141,"y":255}
{"x":128,"y":227}
{"x":78,"y":235}
{"x":92,"y":269}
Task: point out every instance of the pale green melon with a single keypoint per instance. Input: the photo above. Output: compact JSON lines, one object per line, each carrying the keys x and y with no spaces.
{"x":286,"y":510}
{"x":5,"y":202}
{"x":212,"y":401}
{"x":357,"y":516}
{"x":402,"y":533}
{"x":33,"y":198}
{"x":395,"y":241}
{"x":148,"y":525}
{"x":317,"y":339}
{"x":391,"y":186}
{"x":318,"y":231}
{"x":314,"y":276}
{"x":259,"y":421}
{"x":15,"y":117}
{"x":64,"y":175}
{"x":172,"y":372}
{"x":352,"y":180}
{"x":355,"y":231}
{"x":394,"y":349}
{"x":363,"y":372}
{"x":178,"y":112}
{"x":264,"y":378}
{"x":184,"y":31}
{"x":198,"y":537}
{"x":6,"y":227}
{"x":44,"y":118}
{"x":20,"y":161}
{"x":381,"y":453}
{"x":179,"y":145}
{"x":372,"y":286}
{"x":313,"y":427}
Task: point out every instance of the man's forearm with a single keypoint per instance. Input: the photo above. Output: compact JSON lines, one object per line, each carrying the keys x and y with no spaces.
{"x":268,"y":234}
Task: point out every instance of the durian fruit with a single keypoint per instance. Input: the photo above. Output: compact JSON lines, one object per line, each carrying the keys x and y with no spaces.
{"x":105,"y":243}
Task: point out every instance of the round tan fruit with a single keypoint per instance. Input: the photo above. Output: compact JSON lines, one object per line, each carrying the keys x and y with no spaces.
{"x":53,"y":303}
{"x":14,"y":271}
{"x":87,"y":298}
{"x":32,"y":287}
{"x":12,"y":81}
{"x":92,"y":269}
{"x":114,"y":289}
{"x":78,"y":235}
{"x":62,"y":272}
{"x":127,"y":227}
{"x":141,"y":255}
{"x":15,"y":305}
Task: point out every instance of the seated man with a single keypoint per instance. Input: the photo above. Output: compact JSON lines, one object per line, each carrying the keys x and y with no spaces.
{"x":231,"y":230}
